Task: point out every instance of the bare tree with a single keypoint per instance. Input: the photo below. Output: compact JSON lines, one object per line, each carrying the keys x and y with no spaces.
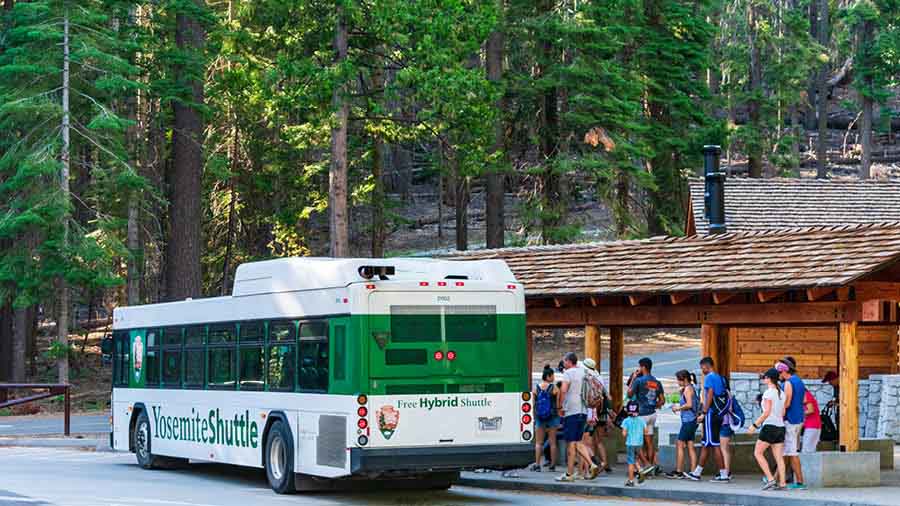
{"x":337,"y":175}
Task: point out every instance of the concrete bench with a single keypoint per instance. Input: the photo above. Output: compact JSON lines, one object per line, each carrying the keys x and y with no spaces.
{"x":841,"y":469}
{"x":884,"y":447}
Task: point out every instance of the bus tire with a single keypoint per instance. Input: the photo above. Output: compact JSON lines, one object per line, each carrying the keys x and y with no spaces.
{"x":278,"y":458}
{"x":141,"y":438}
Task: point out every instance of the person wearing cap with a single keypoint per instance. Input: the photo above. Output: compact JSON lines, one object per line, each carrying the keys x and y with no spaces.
{"x":650,"y":396}
{"x":771,"y":428}
{"x":597,"y":421}
{"x":832,"y":379}
{"x":794,"y":394}
{"x":633,"y":431}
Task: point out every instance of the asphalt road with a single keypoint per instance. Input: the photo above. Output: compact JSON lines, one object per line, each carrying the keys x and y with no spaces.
{"x":41,"y":476}
{"x":39,"y":425}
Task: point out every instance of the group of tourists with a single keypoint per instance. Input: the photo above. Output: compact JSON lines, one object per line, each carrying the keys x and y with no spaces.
{"x":577,"y":404}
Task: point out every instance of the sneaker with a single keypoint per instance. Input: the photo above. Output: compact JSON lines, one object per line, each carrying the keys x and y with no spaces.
{"x":577,"y":476}
{"x":721,"y":479}
{"x":535,"y":468}
{"x":594,"y":471}
{"x":608,"y":470}
{"x":769,"y":484}
{"x":644,"y":471}
{"x":552,"y":469}
{"x":657,"y":470}
{"x":779,"y":487}
{"x":797,"y":486}
{"x":640,"y":478}
{"x":672,"y":475}
{"x":690,"y":476}
{"x":629,"y":483}
{"x":565,"y":477}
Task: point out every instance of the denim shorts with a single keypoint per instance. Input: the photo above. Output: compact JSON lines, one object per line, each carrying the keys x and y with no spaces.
{"x":726,"y":430}
{"x":573,"y":427}
{"x":551,"y":423}
{"x":631,"y":454}
{"x":687,"y":431}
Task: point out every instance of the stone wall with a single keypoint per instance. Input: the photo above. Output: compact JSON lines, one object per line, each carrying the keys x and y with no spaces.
{"x":879,"y":401}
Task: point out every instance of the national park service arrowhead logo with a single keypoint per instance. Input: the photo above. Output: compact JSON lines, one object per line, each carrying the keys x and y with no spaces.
{"x":388,"y":418}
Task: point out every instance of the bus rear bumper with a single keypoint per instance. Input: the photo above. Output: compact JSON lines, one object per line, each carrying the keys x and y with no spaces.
{"x":450,"y":458}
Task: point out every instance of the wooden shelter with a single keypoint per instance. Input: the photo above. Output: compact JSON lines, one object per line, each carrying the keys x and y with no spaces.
{"x":824,"y":295}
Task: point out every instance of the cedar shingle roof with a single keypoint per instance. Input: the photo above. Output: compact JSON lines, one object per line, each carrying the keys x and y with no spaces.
{"x":766,"y":260}
{"x":763,"y":204}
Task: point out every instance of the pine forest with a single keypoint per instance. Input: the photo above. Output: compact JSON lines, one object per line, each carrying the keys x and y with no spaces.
{"x":147,"y":148}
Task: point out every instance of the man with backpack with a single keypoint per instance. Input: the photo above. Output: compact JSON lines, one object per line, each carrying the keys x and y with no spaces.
{"x":574,"y":416}
{"x":716,"y":401}
{"x":649,"y":394}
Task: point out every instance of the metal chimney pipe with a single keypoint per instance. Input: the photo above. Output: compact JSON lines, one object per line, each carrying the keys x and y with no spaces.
{"x":714,"y":196}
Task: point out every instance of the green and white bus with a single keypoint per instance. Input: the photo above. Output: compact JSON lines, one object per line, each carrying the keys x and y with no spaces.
{"x":319,"y":369}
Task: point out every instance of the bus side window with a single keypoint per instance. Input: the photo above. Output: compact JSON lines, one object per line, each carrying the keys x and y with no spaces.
{"x":194,"y":356}
{"x":314,"y":356}
{"x":171,"y":357}
{"x":251,"y":359}
{"x":151,"y":365}
{"x":222,"y":357}
{"x":120,"y":368}
{"x":281,"y":353}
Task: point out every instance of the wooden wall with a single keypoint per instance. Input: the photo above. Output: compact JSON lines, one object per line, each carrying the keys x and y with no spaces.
{"x":754,"y":349}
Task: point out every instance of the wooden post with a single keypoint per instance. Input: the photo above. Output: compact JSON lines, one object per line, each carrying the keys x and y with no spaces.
{"x":709,"y":347}
{"x":849,"y":384}
{"x":616,"y":365}
{"x":592,"y":344}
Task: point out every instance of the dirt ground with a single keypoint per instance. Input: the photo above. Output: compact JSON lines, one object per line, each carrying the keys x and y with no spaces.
{"x":549,"y":346}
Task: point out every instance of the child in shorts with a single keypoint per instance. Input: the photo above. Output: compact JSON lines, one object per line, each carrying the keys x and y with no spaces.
{"x":633,"y":431}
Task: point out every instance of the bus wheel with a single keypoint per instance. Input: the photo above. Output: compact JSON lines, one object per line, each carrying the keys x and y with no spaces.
{"x":141,"y":438}
{"x":279,"y":458}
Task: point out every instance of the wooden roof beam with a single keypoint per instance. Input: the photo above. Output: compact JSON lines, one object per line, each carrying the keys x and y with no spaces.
{"x":722,"y":297}
{"x":678,"y":298}
{"x":767,"y":295}
{"x":877,"y":290}
{"x":814,"y":294}
{"x":637,"y":300}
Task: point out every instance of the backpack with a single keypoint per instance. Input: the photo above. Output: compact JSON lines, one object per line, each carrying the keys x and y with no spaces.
{"x":593,"y":392}
{"x":543,"y":405}
{"x":829,"y":431}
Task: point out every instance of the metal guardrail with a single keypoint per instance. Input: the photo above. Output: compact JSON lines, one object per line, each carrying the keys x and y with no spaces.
{"x":52,"y":390}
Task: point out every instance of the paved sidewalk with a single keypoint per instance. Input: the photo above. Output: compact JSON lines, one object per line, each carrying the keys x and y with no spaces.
{"x":89,"y":442}
{"x":744,"y":491}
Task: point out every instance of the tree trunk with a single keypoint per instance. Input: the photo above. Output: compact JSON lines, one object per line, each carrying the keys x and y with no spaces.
{"x":229,"y":238}
{"x":6,"y":341}
{"x":822,"y":95}
{"x":337,"y":177}
{"x":554,"y":203}
{"x":865,"y":126}
{"x":754,"y":150}
{"x":796,"y":133}
{"x":19,"y":344}
{"x":809,"y":109}
{"x":8,"y":4}
{"x":378,"y":158}
{"x":183,"y":275}
{"x":134,"y":252}
{"x":462,"y":207}
{"x":62,"y":322}
{"x":494,"y":194}
{"x":622,"y":214}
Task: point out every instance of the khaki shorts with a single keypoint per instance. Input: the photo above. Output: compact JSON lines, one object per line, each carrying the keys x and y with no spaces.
{"x":792,"y":439}
{"x":650,"y":420}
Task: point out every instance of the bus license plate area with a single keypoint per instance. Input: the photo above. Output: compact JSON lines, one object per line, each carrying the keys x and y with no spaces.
{"x":490,"y":423}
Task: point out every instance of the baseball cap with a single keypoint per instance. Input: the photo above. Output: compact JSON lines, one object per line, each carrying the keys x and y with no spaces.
{"x":631,"y":408}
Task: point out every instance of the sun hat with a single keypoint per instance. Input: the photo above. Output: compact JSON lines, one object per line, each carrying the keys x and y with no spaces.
{"x":589,"y":363}
{"x":772,"y":374}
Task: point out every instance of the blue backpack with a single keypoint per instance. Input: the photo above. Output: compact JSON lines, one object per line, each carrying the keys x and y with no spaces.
{"x":543,"y":406}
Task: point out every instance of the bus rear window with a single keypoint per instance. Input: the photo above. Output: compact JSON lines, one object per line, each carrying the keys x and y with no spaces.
{"x":418,"y":324}
{"x":470,"y":323}
{"x":415,"y":324}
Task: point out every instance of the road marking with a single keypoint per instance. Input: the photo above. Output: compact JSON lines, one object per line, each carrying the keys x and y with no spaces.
{"x":15,"y":498}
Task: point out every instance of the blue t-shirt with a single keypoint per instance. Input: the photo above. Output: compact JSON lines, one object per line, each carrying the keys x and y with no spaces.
{"x":647,"y":390}
{"x":715,"y":382}
{"x":635,"y":429}
{"x":794,"y":413}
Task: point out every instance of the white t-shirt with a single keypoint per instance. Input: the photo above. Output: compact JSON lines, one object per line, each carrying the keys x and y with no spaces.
{"x":572,"y":404}
{"x":776,"y":415}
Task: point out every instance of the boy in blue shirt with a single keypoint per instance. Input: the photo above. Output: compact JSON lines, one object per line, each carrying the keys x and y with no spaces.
{"x":633,"y":431}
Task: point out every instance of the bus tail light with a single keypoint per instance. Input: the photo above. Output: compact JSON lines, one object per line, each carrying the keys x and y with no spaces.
{"x":451,"y":355}
{"x":439,"y":355}
{"x":526,"y":407}
{"x":526,"y":419}
{"x":362,"y":423}
{"x":362,"y":411}
{"x":526,"y":396}
{"x":526,"y":435}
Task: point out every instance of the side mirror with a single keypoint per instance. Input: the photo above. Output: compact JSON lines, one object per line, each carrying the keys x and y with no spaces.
{"x":106,"y":349}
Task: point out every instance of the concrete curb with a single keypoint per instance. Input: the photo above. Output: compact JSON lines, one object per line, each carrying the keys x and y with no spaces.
{"x":691,"y":496}
{"x":92,"y":444}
